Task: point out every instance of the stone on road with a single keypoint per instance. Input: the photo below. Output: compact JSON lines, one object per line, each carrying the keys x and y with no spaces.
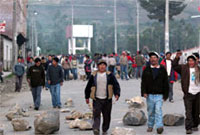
{"x":48,"y":122}
{"x":173,"y":119}
{"x":20,"y":125}
{"x":135,"y":117}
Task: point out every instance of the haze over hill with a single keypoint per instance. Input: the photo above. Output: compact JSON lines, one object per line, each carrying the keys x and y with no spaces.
{"x":57,"y":13}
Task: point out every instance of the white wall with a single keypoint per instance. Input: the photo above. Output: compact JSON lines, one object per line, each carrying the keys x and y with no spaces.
{"x":7,"y":56}
{"x":83,"y":31}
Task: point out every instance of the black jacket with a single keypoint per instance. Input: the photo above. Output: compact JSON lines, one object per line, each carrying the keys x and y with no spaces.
{"x":36,"y":75}
{"x":55,"y":74}
{"x":158,"y":85}
{"x":111,"y":81}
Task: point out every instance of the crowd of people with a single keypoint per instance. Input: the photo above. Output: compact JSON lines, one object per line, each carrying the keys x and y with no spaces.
{"x":158,"y":73}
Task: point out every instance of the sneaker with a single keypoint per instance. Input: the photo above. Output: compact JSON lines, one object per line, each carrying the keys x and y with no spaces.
{"x":189,"y":131}
{"x":149,"y":129}
{"x":96,"y":132}
{"x":195,"y":129}
{"x":160,"y":130}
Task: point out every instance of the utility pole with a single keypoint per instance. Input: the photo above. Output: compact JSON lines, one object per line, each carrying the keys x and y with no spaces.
{"x":138,"y":26}
{"x":167,"y":26}
{"x":72,"y":42}
{"x":14,"y":30}
{"x":115,"y":23}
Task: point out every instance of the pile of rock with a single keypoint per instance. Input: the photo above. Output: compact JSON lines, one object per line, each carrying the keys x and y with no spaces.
{"x":16,"y":112}
{"x":173,"y":119}
{"x":74,"y":115}
{"x":81,"y":124}
{"x":80,"y":120}
{"x":136,"y":102}
{"x":47,"y":122}
{"x":135,"y":116}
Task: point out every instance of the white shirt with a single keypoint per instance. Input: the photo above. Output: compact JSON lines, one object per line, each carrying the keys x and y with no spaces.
{"x":169,"y":66}
{"x":193,"y":88}
{"x":101,"y":92}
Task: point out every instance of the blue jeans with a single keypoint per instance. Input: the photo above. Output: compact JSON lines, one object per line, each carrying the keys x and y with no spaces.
{"x":74,"y":72}
{"x":138,"y":72}
{"x":154,"y":108}
{"x":124,"y":70}
{"x":55,"y":95}
{"x":36,"y":93}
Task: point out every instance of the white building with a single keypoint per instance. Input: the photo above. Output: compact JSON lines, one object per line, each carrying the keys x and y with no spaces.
{"x":83,"y":32}
{"x":6,"y":52}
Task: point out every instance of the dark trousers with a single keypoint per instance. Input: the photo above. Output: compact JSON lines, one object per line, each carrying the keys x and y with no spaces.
{"x":192,"y":110}
{"x":66,"y":74}
{"x":170,"y":90}
{"x":88,"y":74}
{"x":103,"y":106}
{"x":36,"y":93}
{"x":19,"y":80}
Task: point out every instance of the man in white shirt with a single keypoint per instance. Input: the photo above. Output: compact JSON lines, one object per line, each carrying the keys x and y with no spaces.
{"x":172,"y":75}
{"x":101,"y":87}
{"x":190,"y":82}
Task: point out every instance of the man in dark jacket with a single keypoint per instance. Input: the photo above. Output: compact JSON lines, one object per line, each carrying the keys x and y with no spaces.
{"x":101,"y":87}
{"x":55,"y":80}
{"x":19,"y":71}
{"x":36,"y":80}
{"x":172,"y":75}
{"x":190,"y":83}
{"x":155,"y":88}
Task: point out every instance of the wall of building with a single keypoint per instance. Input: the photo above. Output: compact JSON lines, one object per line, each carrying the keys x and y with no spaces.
{"x":7,"y":55}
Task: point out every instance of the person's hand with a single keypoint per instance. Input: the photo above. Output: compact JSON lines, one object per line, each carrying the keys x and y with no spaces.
{"x":116,"y":98}
{"x":61,"y":83}
{"x":87,"y":101}
{"x":145,"y":95}
{"x":49,"y":82}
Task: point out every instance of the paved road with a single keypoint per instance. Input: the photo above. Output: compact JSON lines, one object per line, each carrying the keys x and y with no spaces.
{"x":75,"y":90}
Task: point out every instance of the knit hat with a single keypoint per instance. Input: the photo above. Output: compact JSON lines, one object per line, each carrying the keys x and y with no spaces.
{"x":154,"y":54}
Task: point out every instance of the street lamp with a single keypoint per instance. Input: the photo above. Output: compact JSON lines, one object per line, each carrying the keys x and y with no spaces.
{"x":167,"y":26}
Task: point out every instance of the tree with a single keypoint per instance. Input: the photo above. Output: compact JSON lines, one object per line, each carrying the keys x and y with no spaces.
{"x":156,"y":8}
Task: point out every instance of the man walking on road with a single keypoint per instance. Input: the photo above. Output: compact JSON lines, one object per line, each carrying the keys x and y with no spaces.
{"x":139,"y":59}
{"x":55,"y":80}
{"x":124,"y":65}
{"x":172,"y":75}
{"x":190,"y":82}
{"x":101,"y":87}
{"x":19,"y":71}
{"x":36,"y":80}
{"x":155,"y":88}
